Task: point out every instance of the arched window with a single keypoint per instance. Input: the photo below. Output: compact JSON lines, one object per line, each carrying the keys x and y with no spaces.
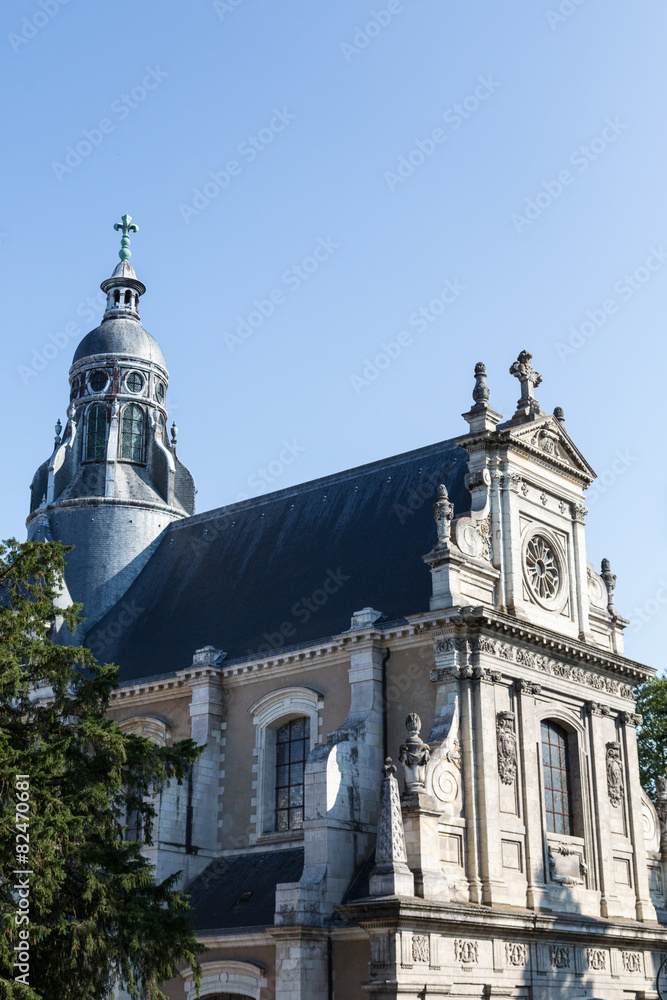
{"x":132,"y":433}
{"x":292,"y":749}
{"x":557,"y":783}
{"x":96,"y":435}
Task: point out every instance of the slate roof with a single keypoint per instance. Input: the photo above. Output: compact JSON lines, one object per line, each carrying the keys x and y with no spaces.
{"x":120,"y":337}
{"x":240,"y":891}
{"x":288,"y":568}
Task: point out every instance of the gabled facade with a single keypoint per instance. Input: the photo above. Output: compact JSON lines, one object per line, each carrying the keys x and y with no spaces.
{"x":508,"y":850}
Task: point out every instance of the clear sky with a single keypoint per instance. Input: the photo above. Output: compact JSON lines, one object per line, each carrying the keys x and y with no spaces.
{"x":516,"y":151}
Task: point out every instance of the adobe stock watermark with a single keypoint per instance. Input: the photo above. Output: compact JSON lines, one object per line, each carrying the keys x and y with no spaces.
{"x":624,"y":288}
{"x":223,"y":7}
{"x":88,"y":310}
{"x":453,"y":118}
{"x":32,"y":25}
{"x":565,"y":9}
{"x":292,"y":279}
{"x":102,"y":638}
{"x":247,"y":151}
{"x":264,"y":477}
{"x":621,"y":463}
{"x":120,"y":108}
{"x":418,"y":320}
{"x":364,"y":34}
{"x":302,"y":611}
{"x":643,"y":614}
{"x":581,"y":158}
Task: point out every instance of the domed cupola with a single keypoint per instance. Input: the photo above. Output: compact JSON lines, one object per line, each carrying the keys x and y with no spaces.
{"x":114,"y":479}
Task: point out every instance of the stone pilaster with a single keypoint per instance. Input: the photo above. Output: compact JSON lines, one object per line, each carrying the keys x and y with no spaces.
{"x":597,"y":713}
{"x":644,"y":907}
{"x":302,"y":963}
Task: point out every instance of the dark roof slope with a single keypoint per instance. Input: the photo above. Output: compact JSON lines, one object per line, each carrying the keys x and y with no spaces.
{"x":240,"y":891}
{"x":287,"y":568}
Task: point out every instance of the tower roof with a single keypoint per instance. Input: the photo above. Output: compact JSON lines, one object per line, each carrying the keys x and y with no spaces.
{"x":120,"y":337}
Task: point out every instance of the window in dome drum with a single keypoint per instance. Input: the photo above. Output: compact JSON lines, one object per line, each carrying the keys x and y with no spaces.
{"x":132,"y":433}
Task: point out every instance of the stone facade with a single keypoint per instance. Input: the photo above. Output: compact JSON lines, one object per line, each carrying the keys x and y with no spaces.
{"x":511,"y":851}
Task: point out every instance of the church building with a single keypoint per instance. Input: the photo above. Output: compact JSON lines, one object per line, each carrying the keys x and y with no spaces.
{"x":419,"y":777}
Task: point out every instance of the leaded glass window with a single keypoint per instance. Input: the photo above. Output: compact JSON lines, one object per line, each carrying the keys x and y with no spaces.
{"x":96,"y":435}
{"x":132,"y":433}
{"x":556,"y":771}
{"x":134,"y":382}
{"x":292,"y":746}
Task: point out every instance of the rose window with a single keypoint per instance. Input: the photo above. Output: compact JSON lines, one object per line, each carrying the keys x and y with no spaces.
{"x":542,"y":568}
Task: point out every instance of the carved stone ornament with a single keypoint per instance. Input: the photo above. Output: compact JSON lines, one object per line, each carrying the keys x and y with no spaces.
{"x":516,"y":954}
{"x":414,"y":754}
{"x":443,"y":512}
{"x":542,"y":568}
{"x":527,"y":406}
{"x":614,"y":774}
{"x":507,"y":750}
{"x":466,"y":952}
{"x":597,"y":959}
{"x":420,"y":949}
{"x":559,"y":956}
{"x":576,"y":868}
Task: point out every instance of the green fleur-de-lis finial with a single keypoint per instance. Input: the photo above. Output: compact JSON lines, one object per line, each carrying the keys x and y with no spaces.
{"x":127,"y":227}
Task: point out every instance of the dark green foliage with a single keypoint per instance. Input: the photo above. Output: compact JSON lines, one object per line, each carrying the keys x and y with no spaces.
{"x":652,"y":734}
{"x":97,"y":918}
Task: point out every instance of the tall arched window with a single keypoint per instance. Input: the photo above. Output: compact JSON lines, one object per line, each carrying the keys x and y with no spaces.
{"x":557,"y":784}
{"x":96,"y":434}
{"x":292,"y":749}
{"x":132,"y":433}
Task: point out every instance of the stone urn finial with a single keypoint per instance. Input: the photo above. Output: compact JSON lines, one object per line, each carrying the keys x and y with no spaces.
{"x":414,"y":754}
{"x":443,"y":512}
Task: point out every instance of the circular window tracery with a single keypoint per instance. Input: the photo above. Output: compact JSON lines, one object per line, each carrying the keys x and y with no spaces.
{"x":98,"y":380}
{"x":543,"y":568}
{"x":134,"y":382}
{"x":159,"y":391}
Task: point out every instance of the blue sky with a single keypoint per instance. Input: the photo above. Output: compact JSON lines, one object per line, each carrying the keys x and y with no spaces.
{"x":514,"y":151}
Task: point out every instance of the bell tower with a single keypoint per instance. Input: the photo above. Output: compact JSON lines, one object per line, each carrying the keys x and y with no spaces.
{"x":113,"y":481}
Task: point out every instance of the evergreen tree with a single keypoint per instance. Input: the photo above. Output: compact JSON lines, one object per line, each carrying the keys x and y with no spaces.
{"x":652,"y":734}
{"x":68,"y":779}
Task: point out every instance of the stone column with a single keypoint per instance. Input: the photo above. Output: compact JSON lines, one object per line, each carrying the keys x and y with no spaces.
{"x":580,"y":581}
{"x":602,"y":825}
{"x":644,"y":906}
{"x":486,"y":783}
{"x":530,"y":764}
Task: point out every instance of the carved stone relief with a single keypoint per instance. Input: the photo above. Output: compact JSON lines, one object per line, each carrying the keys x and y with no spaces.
{"x":420,"y":951}
{"x":559,"y":957}
{"x":614,"y":774}
{"x":466,"y":952}
{"x":566,"y":865}
{"x":516,"y":954}
{"x":507,"y":750}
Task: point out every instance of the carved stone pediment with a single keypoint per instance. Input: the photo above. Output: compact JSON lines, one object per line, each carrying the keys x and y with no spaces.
{"x":548,"y":440}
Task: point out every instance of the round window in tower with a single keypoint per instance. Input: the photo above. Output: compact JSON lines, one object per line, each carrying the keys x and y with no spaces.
{"x":134,"y":382}
{"x":98,"y":380}
{"x":542,"y":567}
{"x":159,"y":392}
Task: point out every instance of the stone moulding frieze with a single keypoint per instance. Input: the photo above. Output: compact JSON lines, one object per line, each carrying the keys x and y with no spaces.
{"x":523,"y":657}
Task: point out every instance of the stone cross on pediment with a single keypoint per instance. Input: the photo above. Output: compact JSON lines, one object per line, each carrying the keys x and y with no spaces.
{"x":527,"y":407}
